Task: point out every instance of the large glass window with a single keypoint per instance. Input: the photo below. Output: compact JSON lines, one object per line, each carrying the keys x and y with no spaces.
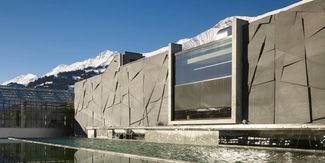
{"x":207,"y":62}
{"x":203,"y":82}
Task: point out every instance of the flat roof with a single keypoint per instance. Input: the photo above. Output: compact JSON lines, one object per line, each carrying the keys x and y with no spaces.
{"x":32,"y":94}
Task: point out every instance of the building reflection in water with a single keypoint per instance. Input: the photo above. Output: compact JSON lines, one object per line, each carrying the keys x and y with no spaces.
{"x":14,"y":151}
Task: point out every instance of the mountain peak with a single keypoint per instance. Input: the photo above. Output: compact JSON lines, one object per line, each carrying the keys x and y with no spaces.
{"x":22,"y":79}
{"x":101,"y":60}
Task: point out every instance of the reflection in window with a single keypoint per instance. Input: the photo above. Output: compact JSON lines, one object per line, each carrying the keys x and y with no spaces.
{"x":206,"y":62}
{"x":203,"y":82}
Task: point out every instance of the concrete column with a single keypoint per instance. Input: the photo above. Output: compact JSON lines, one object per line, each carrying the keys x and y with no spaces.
{"x":237,"y":69}
{"x":172,"y":49}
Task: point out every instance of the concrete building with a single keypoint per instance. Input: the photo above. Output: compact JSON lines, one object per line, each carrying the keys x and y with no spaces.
{"x":142,"y":93}
{"x":268,"y":71}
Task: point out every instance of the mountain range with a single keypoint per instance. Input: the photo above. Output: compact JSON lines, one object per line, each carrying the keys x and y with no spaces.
{"x":64,"y":76}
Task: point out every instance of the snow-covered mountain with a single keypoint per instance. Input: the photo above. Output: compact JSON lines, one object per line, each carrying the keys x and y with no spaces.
{"x":211,"y":34}
{"x":64,"y":76}
{"x":93,"y":66}
{"x":207,"y":36}
{"x":101,"y":60}
{"x":22,"y":79}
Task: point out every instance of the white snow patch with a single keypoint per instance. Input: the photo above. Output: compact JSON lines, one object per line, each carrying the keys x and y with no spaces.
{"x":76,"y":77}
{"x":49,"y":82}
{"x":159,"y":51}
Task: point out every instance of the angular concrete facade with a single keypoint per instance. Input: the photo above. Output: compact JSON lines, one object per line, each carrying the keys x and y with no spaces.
{"x":286,"y":66}
{"x":134,"y":94}
{"x":283,"y":78}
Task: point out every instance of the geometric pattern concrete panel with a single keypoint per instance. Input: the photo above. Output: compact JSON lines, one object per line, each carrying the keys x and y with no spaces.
{"x":286,"y":66}
{"x":261,"y":103}
{"x":318,"y":103}
{"x":291,"y":104}
{"x":295,"y":73}
{"x":134,"y":94}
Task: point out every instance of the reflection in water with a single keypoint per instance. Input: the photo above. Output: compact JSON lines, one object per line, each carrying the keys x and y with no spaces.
{"x":82,"y":156}
{"x":15,"y":151}
{"x":189,"y":152}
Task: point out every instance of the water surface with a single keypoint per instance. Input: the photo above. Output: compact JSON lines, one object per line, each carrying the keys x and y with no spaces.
{"x":191,"y":153}
{"x":21,"y":152}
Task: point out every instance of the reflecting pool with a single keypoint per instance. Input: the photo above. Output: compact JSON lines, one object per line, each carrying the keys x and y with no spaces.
{"x":20,"y":152}
{"x":190,"y":153}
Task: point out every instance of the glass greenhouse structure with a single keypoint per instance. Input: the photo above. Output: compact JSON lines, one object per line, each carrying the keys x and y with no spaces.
{"x":35,"y":108}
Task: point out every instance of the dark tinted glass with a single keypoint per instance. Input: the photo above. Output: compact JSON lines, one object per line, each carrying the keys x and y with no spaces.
{"x":35,"y":108}
{"x":203,"y":82}
{"x":203,"y":100}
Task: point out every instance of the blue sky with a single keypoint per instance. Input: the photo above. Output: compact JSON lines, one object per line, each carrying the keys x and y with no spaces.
{"x":38,"y":35}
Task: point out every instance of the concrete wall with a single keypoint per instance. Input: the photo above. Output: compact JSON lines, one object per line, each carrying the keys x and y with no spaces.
{"x":284,"y":78}
{"x":131,"y":95}
{"x":286,"y":71}
{"x":33,"y":132}
{"x":203,"y":138}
